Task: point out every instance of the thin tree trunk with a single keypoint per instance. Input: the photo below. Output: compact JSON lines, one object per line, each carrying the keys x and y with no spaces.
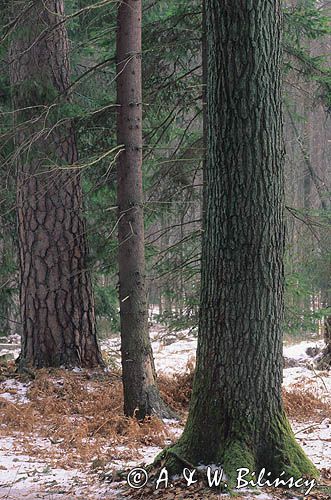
{"x":56,"y":298}
{"x":4,"y":285}
{"x":236,"y":416}
{"x":141,"y":396}
{"x":324,"y":362}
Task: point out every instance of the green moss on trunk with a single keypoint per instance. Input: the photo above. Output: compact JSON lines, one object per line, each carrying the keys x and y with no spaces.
{"x":235,"y":455}
{"x":284,"y":454}
{"x":236,"y":416}
{"x":281,"y":453}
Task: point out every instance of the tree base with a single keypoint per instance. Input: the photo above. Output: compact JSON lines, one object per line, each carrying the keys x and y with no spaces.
{"x":66,"y":361}
{"x":152,"y":404}
{"x":281,"y":455}
{"x":285,"y":453}
{"x":324,"y":362}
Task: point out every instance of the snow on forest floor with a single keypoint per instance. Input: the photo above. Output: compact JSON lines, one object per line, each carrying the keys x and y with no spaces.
{"x":57,"y":444}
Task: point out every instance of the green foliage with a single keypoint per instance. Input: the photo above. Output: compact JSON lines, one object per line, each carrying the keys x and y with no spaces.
{"x":173,"y":151}
{"x":308,"y":287}
{"x":304,"y":23}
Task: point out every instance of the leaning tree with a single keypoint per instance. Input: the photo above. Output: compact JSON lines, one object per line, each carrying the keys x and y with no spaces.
{"x":236,"y":415}
{"x":56,"y":296}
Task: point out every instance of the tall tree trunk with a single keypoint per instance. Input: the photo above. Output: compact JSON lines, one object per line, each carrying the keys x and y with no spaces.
{"x":236,"y":414}
{"x":324,"y":362}
{"x":141,"y":396}
{"x":4,"y":284}
{"x":56,"y":296}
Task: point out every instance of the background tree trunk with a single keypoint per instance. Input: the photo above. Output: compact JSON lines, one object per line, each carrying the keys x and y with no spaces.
{"x":141,"y":396}
{"x":236,"y":415}
{"x":56,"y":296}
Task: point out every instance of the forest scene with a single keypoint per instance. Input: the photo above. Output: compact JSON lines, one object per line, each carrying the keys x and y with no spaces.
{"x":165,"y":249}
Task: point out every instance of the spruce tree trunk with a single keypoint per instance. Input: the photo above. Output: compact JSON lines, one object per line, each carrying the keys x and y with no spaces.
{"x":56,"y":296}
{"x":236,"y":414}
{"x":141,"y":396}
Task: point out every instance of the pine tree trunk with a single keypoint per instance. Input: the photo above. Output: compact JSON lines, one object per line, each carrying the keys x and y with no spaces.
{"x":56,"y":296}
{"x":141,"y":396}
{"x":236,"y":415}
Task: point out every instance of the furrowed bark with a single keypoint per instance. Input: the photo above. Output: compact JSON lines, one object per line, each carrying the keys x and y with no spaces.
{"x":141,"y":395}
{"x":236,"y":416}
{"x":56,"y":297}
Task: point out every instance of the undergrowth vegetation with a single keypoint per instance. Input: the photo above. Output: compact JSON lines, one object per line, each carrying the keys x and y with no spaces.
{"x":80,"y":418}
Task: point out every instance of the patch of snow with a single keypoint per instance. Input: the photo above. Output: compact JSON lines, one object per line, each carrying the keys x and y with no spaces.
{"x":298,"y":351}
{"x":169,"y":359}
{"x":315,"y":440}
{"x":14,"y":353}
{"x":22,"y":476}
{"x":24,"y":471}
{"x":14,"y":391}
{"x":174,"y":358}
{"x":257,"y":494}
{"x":153,"y":311}
{"x":316,"y":382}
{"x":170,"y":421}
{"x":14,"y":338}
{"x":149,"y":453}
{"x":144,"y":456}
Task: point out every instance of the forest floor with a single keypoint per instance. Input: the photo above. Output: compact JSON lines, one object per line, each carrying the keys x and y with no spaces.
{"x":63,"y":434}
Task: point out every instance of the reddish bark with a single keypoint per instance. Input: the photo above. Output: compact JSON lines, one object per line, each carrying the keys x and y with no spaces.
{"x":56,"y":296}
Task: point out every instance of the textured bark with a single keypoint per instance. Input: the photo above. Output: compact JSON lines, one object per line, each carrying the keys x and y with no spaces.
{"x":141,"y":396}
{"x":236,"y":415}
{"x":56,"y":296}
{"x":324,"y":362}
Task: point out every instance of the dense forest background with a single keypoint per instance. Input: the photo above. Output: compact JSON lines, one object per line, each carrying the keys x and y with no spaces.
{"x":172,"y":159}
{"x":142,"y":237}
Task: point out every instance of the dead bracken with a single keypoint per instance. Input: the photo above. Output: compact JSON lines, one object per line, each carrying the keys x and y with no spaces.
{"x":81,"y":412}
